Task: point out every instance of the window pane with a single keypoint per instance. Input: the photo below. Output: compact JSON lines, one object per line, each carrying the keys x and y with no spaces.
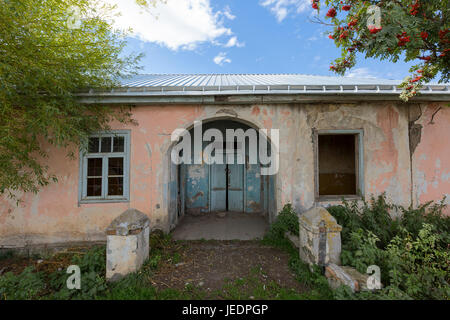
{"x":115,"y":166}
{"x":93,"y":145}
{"x":106,"y":144}
{"x":118,"y":144}
{"x":94,"y":187}
{"x":95,"y":167}
{"x":115,"y":186}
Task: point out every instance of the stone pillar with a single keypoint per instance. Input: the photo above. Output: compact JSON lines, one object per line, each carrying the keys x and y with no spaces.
{"x":320,"y":237}
{"x":127,"y":245}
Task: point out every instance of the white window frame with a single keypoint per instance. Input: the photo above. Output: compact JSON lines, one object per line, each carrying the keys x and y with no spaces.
{"x":84,"y":156}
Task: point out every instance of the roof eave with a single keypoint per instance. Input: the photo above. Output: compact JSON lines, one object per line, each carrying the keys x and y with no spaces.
{"x":143,"y":98}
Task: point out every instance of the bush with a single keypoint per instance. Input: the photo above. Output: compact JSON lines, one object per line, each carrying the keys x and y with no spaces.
{"x":287,"y":220}
{"x":412,"y":251}
{"x":418,"y":267}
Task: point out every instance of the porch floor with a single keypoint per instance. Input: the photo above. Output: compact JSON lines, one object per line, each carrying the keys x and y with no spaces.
{"x":223,"y":226}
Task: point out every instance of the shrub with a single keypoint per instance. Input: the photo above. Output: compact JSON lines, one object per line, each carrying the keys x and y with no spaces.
{"x":419,"y":267}
{"x":412,"y":251}
{"x":287,"y":220}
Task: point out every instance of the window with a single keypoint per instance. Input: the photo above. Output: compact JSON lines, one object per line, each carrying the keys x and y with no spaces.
{"x":339,"y":164}
{"x":104,"y":168}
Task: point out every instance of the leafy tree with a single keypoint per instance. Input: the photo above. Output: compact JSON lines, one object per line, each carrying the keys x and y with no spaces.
{"x":49,"y":51}
{"x":392,"y":29}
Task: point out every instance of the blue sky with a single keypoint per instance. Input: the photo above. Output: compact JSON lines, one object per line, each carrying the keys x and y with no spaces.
{"x":238,"y":36}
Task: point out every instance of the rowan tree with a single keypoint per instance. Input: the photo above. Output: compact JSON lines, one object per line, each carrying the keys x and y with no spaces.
{"x":411,"y":30}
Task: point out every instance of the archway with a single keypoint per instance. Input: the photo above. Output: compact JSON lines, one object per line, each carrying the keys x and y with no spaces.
{"x":235,"y":186}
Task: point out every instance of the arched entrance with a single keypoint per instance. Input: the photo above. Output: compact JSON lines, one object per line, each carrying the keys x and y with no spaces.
{"x":235,"y":186}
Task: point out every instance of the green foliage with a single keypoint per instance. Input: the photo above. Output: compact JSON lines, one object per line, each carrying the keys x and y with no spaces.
{"x":46,"y":58}
{"x":287,"y":220}
{"x":413,"y":254}
{"x":27,"y":285}
{"x":418,"y":266}
{"x":361,"y":250}
{"x":408,"y":30}
{"x":373,"y":215}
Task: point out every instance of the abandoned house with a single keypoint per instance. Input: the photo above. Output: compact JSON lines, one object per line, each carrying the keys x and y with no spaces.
{"x":327,"y":138}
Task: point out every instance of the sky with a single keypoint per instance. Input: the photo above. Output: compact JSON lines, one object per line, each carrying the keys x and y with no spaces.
{"x":237,"y":36}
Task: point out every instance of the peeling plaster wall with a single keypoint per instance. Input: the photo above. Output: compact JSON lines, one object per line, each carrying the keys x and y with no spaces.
{"x":54,"y":215}
{"x":431,"y":159}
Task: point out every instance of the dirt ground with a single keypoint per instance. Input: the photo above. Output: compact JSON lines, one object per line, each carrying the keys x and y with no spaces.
{"x":206,"y":265}
{"x":210,"y":264}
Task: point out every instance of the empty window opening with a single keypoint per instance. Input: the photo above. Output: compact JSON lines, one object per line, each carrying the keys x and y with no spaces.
{"x":337,"y":164}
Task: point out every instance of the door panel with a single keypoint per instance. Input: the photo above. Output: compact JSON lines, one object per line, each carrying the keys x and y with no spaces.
{"x":218,"y":187}
{"x":197,"y":185}
{"x":253,"y":189}
{"x":236,"y":187}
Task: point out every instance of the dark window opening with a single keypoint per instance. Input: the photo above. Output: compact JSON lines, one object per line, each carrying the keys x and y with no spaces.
{"x":94,"y":177}
{"x":337,"y":164}
{"x":115,"y":176}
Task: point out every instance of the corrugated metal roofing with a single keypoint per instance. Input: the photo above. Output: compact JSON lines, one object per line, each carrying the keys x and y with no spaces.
{"x":235,"y":84}
{"x":212,"y":80}
{"x":253,"y":88}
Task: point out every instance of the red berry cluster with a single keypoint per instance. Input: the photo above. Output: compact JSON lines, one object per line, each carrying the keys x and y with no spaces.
{"x":346,"y":7}
{"x":443,"y":53}
{"x":353,"y":22}
{"x":315,"y":4}
{"x":415,"y":8}
{"x":403,"y":39}
{"x":331,"y":13}
{"x":374,"y":30}
{"x":424,"y":35}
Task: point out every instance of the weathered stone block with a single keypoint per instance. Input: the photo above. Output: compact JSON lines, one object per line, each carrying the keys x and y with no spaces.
{"x":127,"y":245}
{"x":320,"y":237}
{"x":344,"y":275}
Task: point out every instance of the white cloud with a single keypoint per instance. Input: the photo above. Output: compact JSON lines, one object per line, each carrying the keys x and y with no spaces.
{"x":227,"y":13}
{"x":281,"y":8}
{"x":361,"y":73}
{"x":174,"y":23}
{"x":233,"y":42}
{"x":221,"y":58}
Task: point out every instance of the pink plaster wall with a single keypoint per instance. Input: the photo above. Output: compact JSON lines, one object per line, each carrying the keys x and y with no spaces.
{"x":54,"y":215}
{"x":431,"y":160}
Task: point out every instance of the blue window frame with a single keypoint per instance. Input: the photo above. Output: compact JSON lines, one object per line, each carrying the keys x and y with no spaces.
{"x":105,"y":168}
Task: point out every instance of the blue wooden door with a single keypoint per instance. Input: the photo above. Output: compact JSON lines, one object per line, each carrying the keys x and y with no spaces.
{"x":218,"y":187}
{"x":236,"y":187}
{"x":197,"y":187}
{"x":254,"y":189}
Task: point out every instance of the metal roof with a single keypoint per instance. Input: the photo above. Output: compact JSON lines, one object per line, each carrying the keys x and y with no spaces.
{"x":201,"y":87}
{"x":211,"y":80}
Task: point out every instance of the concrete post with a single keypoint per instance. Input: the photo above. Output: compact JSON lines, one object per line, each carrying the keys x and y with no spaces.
{"x":127,"y":245}
{"x":320,"y":237}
